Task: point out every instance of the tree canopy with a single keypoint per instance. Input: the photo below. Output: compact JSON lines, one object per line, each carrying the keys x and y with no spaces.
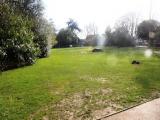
{"x":68,"y":36}
{"x":120,"y":37}
{"x":72,"y":25}
{"x":145,"y":27}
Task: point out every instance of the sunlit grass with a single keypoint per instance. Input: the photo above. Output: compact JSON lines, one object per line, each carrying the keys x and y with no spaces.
{"x":25,"y":91}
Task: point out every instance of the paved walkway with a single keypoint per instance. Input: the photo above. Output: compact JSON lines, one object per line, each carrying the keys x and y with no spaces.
{"x":147,"y":111}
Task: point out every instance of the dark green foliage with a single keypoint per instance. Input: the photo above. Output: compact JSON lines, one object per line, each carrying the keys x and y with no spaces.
{"x":45,"y":36}
{"x":66,"y":37}
{"x":24,"y":33}
{"x":33,"y":9}
{"x":72,"y":25}
{"x":120,"y":38}
{"x":145,"y":27}
{"x":16,"y":39}
{"x":42,"y":44}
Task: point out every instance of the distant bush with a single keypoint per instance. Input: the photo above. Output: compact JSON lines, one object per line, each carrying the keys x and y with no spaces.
{"x":66,"y":37}
{"x":16,"y":39}
{"x":120,"y":38}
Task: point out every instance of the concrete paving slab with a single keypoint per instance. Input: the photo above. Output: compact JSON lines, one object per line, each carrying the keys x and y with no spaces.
{"x":147,"y":111}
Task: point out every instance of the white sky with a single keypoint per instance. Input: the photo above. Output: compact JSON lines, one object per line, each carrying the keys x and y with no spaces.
{"x":100,"y":12}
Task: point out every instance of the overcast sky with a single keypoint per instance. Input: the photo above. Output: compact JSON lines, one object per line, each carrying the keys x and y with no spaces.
{"x":100,"y":12}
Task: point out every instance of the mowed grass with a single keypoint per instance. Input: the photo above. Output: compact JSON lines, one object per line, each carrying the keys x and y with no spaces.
{"x":28,"y":92}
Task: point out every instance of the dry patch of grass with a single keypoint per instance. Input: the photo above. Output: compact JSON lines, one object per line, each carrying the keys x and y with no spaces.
{"x":90,"y":78}
{"x":87,"y":105}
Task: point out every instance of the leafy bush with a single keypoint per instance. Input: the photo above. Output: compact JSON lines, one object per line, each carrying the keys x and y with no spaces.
{"x":16,"y":39}
{"x":42,"y":44}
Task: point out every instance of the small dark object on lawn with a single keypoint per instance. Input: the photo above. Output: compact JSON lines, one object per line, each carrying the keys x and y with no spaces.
{"x":138,"y":62}
{"x":18,"y":98}
{"x":135,"y":62}
{"x":97,"y":50}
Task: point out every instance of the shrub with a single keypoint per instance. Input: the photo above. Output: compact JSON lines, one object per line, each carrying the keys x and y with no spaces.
{"x":16,"y":39}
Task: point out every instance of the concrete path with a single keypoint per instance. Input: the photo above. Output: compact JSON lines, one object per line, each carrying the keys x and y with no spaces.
{"x":147,"y":111}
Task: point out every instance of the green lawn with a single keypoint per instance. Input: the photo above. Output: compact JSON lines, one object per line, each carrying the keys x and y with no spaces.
{"x":76,"y":83}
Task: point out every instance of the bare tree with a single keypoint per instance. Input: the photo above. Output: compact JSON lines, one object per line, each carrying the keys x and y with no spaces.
{"x":91,"y":29}
{"x":91,"y":32}
{"x":129,"y":22}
